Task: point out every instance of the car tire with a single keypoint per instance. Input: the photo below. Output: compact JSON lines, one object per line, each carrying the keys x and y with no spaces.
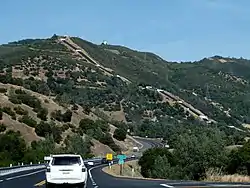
{"x":49,"y":185}
{"x":82,"y":185}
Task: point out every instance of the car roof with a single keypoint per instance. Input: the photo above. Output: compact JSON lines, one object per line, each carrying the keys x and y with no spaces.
{"x":66,"y":155}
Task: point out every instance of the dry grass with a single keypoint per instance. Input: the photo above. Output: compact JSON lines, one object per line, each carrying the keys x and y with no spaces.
{"x":127,"y":170}
{"x":218,"y":176}
{"x":29,"y":132}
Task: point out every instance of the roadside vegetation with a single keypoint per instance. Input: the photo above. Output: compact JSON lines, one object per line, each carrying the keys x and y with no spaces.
{"x":197,"y":156}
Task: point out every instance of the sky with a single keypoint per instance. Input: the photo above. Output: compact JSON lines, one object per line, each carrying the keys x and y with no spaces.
{"x":177,"y":30}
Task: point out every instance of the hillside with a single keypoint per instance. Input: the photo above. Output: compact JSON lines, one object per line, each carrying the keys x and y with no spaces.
{"x":65,"y":85}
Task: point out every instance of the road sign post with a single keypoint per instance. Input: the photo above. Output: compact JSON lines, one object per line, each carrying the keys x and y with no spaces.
{"x":109,"y":165}
{"x":121,"y":158}
{"x":133,"y":171}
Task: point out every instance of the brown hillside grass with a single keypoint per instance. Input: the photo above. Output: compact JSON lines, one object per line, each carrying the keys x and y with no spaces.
{"x":29,"y":134}
{"x":218,"y":176}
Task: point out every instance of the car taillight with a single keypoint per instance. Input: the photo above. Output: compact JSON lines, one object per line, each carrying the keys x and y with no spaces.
{"x":48,"y":169}
{"x":83,"y":169}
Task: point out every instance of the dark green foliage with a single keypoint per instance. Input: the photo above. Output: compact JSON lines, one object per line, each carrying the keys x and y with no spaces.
{"x":120,"y":134}
{"x":3,"y":90}
{"x":194,"y":154}
{"x":147,"y":161}
{"x":43,"y":129}
{"x":10,"y":112}
{"x":21,"y":96}
{"x":12,"y":148}
{"x":28,"y":121}
{"x":76,"y":144}
{"x":65,"y":117}
{"x":239,"y":160}
{"x":65,"y":127}
{"x":74,"y":107}
{"x":2,"y":128}
{"x":86,"y":124}
{"x":99,"y":130}
{"x":19,"y":110}
{"x":107,"y":140}
{"x":42,"y":114}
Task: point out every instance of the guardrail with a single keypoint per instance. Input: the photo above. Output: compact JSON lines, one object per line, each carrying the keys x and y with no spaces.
{"x":15,"y":169}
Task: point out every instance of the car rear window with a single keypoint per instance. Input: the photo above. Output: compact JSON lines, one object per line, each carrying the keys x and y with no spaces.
{"x":66,"y":161}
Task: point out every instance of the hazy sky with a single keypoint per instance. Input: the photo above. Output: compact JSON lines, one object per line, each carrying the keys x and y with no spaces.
{"x":174,"y":29}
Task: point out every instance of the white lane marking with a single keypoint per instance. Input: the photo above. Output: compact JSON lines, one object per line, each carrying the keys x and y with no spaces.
{"x":24,"y":175}
{"x":165,"y":185}
{"x":1,"y":181}
{"x":90,"y":175}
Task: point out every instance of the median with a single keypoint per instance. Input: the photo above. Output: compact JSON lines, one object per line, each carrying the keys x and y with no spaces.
{"x":130,"y":169}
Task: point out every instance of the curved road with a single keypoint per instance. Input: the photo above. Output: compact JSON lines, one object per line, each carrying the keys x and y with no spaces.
{"x":98,"y":179}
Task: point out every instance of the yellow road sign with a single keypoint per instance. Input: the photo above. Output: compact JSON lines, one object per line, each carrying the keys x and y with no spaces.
{"x":109,"y":156}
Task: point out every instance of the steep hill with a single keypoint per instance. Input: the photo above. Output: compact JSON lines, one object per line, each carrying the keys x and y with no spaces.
{"x":71,"y":85}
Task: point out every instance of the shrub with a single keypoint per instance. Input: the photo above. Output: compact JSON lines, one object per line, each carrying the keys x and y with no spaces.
{"x":74,"y":107}
{"x":9,"y":111}
{"x":57,"y":115}
{"x":20,"y":91}
{"x":28,"y":121}
{"x":14,"y":99}
{"x":19,"y":110}
{"x":120,"y":134}
{"x":65,"y":127}
{"x":42,"y":114}
{"x":67,"y":116}
{"x":46,"y":101}
{"x":43,"y":129}
{"x":2,"y":128}
{"x":3,"y":90}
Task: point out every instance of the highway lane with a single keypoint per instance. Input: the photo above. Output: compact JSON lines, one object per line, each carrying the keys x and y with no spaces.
{"x":25,"y":179}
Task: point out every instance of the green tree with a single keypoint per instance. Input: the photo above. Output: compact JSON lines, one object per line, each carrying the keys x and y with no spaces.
{"x":67,"y":116}
{"x":196,"y":153}
{"x":120,"y":134}
{"x":12,"y":147}
{"x":162,"y":168}
{"x":147,"y":161}
{"x":78,"y":145}
{"x":239,"y":160}
{"x":42,"y":114}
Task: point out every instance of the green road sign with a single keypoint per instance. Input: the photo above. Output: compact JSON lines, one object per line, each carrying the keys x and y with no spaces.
{"x":121,"y":159}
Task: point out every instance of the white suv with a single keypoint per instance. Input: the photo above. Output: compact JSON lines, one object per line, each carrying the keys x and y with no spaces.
{"x":66,"y":169}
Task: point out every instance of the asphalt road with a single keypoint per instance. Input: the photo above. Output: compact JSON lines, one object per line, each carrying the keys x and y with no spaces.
{"x":99,"y":179}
